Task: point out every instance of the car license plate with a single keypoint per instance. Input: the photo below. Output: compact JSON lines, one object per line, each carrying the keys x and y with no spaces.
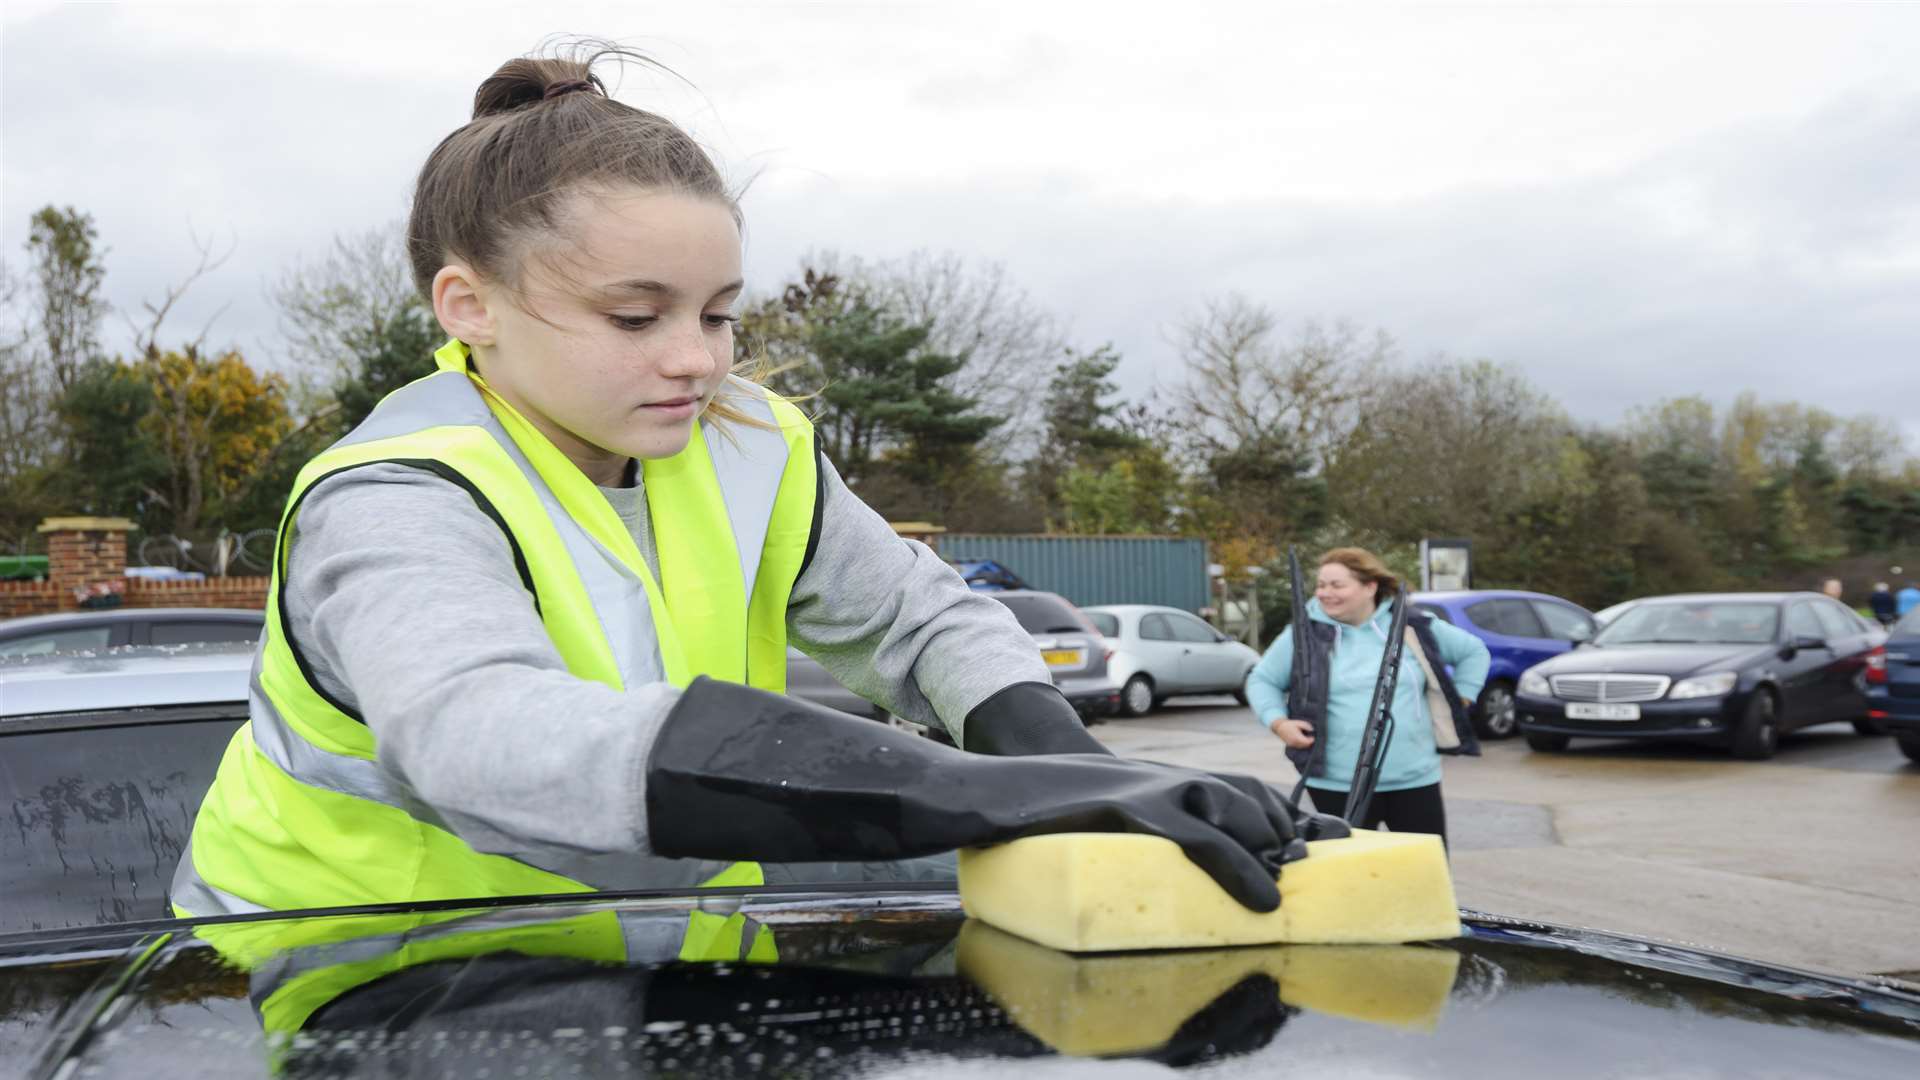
{"x":1586,"y":710}
{"x":1061,"y":657}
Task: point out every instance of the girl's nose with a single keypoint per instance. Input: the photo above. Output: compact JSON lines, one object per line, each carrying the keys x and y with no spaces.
{"x":688,"y":356}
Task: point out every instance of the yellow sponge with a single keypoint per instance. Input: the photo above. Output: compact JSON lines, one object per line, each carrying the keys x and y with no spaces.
{"x":1131,"y":1002}
{"x":1102,"y":892}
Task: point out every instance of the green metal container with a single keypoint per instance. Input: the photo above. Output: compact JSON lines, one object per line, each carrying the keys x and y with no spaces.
{"x":1090,"y":570}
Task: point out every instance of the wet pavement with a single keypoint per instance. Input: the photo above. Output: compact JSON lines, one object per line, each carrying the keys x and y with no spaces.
{"x":1811,"y":859}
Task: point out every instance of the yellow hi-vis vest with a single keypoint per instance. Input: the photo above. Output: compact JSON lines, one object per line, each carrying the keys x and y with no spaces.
{"x":302,"y":814}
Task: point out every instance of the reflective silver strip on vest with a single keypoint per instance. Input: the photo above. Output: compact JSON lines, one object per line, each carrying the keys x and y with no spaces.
{"x":750,"y":463}
{"x":648,"y":936}
{"x":191,"y":893}
{"x":362,"y":778}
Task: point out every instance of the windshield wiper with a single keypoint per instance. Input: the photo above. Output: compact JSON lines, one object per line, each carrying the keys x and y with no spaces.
{"x":1379,"y":730}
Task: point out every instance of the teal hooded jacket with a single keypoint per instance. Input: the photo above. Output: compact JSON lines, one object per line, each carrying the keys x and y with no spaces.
{"x":1412,"y":760}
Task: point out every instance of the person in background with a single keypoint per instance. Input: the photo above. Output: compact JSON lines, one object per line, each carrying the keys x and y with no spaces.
{"x":1320,"y":714}
{"x":1884,"y":607}
{"x":1906,"y":599}
{"x":1833,"y":587}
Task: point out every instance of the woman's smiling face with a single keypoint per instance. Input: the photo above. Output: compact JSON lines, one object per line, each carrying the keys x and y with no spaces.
{"x":618,"y":335}
{"x":1342,"y":596}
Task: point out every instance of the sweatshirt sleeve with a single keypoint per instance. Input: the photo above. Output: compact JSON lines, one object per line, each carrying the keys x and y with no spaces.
{"x":402,"y":595}
{"x":1468,"y":656}
{"x":1268,"y":682}
{"x":896,"y":625}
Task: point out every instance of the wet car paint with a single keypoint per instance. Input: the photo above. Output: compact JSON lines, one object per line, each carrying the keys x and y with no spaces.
{"x":104,"y":759}
{"x":873,"y":984}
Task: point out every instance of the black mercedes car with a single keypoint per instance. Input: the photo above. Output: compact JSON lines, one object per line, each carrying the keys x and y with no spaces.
{"x":1736,"y":669}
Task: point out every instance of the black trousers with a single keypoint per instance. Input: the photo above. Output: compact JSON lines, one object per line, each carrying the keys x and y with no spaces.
{"x":1413,"y":810}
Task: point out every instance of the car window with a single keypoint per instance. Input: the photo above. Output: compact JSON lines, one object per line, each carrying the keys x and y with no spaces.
{"x":1188,"y":628}
{"x":1511,"y":617}
{"x":74,"y":640}
{"x":1836,"y":620}
{"x":1434,"y":610}
{"x":1042,"y":614}
{"x":186,"y":632}
{"x":1563,"y":622}
{"x":1909,"y":623}
{"x":1155,"y":628}
{"x":1802,"y":622}
{"x":1695,"y":622}
{"x":1107,"y":624}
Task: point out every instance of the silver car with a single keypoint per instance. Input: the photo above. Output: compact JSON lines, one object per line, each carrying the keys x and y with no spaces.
{"x":1163,"y":652}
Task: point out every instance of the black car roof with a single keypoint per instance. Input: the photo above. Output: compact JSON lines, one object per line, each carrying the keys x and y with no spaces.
{"x":866,"y":980}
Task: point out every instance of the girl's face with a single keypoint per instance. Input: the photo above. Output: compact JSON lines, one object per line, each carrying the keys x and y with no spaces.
{"x":1342,"y":596}
{"x":621,"y":334}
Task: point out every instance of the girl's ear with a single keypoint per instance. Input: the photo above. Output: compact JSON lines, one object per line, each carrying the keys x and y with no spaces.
{"x":460,"y":303}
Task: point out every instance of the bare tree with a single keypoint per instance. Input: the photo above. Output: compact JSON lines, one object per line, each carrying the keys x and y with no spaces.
{"x":333,"y":307}
{"x":972,"y":310}
{"x":1247,"y":387}
{"x":146,"y":338}
{"x":26,"y":414}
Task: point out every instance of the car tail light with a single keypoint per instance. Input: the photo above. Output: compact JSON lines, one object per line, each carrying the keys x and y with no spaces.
{"x":1876,"y":714}
{"x":1877,"y":665}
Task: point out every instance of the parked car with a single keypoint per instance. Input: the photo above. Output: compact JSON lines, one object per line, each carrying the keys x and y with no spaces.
{"x":1073,"y":649}
{"x":1520,"y":630}
{"x":90,"y":630}
{"x":1736,"y":669}
{"x":1613,"y":611}
{"x":1893,"y":685}
{"x":1163,"y":652}
{"x":807,"y":680}
{"x":106,"y":757}
{"x":894,"y":980}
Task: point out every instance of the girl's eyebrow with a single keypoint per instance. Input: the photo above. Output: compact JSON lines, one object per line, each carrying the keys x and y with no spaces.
{"x":661,"y":288}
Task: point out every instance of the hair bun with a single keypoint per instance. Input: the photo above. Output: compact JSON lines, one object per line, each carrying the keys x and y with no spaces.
{"x":529,"y":81}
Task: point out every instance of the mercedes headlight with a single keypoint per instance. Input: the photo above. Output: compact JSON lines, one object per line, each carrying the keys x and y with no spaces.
{"x":1715,"y":685}
{"x":1535,"y":685}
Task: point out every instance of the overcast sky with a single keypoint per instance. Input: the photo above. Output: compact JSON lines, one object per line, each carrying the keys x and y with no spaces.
{"x":1627,"y":202}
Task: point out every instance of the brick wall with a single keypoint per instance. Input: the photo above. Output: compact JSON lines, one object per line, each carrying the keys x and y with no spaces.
{"x":238,"y":592}
{"x":90,"y":554}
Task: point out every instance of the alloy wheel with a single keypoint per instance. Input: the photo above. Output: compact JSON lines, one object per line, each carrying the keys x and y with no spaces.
{"x":1497,"y":707}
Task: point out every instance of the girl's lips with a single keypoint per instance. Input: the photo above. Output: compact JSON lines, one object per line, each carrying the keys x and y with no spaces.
{"x":675,"y":409}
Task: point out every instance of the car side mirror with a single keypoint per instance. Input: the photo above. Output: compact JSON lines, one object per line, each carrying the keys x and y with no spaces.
{"x":1800,"y":642}
{"x":1580,"y":635}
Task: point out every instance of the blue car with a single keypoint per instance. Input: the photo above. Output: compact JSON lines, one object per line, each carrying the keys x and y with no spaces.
{"x":1521,"y":629}
{"x":1893,"y":685}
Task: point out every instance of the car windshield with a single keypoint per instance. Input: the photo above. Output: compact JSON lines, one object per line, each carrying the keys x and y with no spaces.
{"x":1043,"y":614}
{"x":1108,"y":625}
{"x":1704,"y":622}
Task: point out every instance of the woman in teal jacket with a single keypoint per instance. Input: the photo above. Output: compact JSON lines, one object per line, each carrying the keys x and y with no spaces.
{"x":1320,"y":714}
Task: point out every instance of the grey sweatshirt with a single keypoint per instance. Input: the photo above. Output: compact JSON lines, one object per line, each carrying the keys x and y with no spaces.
{"x":403,"y":596}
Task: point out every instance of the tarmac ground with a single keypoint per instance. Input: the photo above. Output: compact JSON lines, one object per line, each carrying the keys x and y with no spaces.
{"x":1810,"y":860}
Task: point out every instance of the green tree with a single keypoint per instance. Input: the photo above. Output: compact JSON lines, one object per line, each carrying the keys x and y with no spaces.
{"x":356,"y":326}
{"x":117,"y":466}
{"x":68,"y":273}
{"x":217,"y":423}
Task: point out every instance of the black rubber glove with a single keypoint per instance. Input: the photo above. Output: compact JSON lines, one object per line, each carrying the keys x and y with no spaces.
{"x":740,"y":773}
{"x":1035,"y":718}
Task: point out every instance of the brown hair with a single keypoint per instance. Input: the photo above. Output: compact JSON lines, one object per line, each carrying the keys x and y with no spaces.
{"x":1366,"y":566}
{"x":543,"y":128}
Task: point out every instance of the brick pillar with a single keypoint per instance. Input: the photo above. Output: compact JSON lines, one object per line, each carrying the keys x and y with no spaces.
{"x":87,"y":558}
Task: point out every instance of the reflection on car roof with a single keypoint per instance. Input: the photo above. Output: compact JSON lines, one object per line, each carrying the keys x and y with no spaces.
{"x":141,"y":676}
